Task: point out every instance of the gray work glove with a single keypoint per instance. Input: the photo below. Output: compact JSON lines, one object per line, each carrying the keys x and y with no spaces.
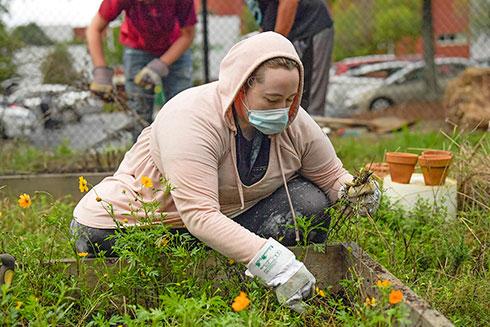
{"x":151,"y":74}
{"x":102,"y":82}
{"x":277,"y":267}
{"x":364,"y":198}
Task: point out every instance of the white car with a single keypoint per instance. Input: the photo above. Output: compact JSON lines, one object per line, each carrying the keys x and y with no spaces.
{"x":407,"y":84}
{"x":367,"y":75}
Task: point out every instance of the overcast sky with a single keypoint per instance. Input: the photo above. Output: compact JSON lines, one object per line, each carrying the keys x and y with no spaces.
{"x":51,"y":12}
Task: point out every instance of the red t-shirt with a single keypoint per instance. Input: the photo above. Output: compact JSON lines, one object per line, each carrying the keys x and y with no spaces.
{"x":150,"y":25}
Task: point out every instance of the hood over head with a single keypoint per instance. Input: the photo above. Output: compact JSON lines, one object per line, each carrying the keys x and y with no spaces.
{"x":243,"y":58}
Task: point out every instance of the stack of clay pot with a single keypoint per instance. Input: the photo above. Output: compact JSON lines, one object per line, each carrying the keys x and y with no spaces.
{"x":434,"y":165}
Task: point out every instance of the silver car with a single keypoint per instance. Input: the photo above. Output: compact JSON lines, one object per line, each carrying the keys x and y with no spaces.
{"x":407,"y":84}
{"x":367,"y":75}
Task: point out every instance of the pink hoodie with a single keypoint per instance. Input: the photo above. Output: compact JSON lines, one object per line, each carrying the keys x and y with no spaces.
{"x":192,"y":145}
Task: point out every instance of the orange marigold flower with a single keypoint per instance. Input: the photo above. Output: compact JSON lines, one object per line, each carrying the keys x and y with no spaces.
{"x":396,"y":296}
{"x":383,"y":283}
{"x":82,"y":184}
{"x":370,"y":302}
{"x":146,"y":182}
{"x":320,"y":292}
{"x":82,"y":254}
{"x":241,"y":302}
{"x":25,"y":200}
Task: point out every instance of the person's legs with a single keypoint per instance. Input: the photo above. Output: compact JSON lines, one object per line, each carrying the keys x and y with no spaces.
{"x":322,"y":56}
{"x":304,"y":48}
{"x":179,"y":77}
{"x":271,"y":216}
{"x":139,"y":99}
{"x":92,"y":240}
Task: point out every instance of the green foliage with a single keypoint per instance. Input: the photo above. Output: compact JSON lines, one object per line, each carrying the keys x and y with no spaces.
{"x":32,"y":34}
{"x":389,"y":21}
{"x":249,"y":24}
{"x":113,"y":49}
{"x":8,"y":45}
{"x":169,"y":278}
{"x":58,"y":67}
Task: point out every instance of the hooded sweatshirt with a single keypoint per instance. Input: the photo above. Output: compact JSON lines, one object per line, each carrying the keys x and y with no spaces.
{"x":191,"y":144}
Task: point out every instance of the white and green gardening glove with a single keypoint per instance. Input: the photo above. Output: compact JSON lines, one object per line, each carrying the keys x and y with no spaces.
{"x":277,"y":267}
{"x":363,"y":198}
{"x":151,"y":74}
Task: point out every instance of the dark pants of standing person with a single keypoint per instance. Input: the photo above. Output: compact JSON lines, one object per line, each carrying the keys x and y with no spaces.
{"x":315,"y":53}
{"x":270,"y":217}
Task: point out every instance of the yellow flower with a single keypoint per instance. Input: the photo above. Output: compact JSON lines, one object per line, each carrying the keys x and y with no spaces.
{"x":18,"y":304}
{"x":146,"y":182}
{"x":125,"y":220}
{"x":370,"y":302}
{"x":98,"y":199}
{"x":162,"y":241}
{"x":396,"y":296}
{"x":231,"y":262}
{"x":82,"y":184}
{"x":320,"y":292}
{"x":82,"y":254}
{"x":241,"y":302}
{"x":383,"y":283}
{"x":25,"y":200}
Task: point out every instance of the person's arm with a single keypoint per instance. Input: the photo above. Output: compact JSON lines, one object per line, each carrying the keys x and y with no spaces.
{"x":180,"y":45}
{"x":286,"y":13}
{"x":94,"y":40}
{"x":320,"y":163}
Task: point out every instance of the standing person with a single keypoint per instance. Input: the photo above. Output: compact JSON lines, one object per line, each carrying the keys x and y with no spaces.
{"x":308,"y":25}
{"x":157,"y":35}
{"x":243,"y":158}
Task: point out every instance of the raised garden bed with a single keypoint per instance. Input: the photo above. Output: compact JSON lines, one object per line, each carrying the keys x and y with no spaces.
{"x":339,"y":262}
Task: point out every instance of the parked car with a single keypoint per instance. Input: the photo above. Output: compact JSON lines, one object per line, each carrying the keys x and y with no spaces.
{"x":405,"y":85}
{"x":367,"y":75}
{"x":343,"y":66}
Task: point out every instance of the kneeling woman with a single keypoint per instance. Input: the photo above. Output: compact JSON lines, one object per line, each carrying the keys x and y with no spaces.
{"x":243,"y":159}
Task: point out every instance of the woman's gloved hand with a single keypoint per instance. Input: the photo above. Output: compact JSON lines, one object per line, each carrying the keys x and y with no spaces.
{"x":278,"y":268}
{"x":364,"y":198}
{"x":151,"y":74}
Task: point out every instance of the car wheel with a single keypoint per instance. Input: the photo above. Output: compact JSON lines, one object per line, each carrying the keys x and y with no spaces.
{"x":380,"y":104}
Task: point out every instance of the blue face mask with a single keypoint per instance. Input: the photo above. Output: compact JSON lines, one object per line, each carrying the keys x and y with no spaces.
{"x":269,"y":121}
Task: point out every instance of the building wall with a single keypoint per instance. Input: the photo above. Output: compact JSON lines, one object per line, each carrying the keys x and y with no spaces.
{"x":451,"y":31}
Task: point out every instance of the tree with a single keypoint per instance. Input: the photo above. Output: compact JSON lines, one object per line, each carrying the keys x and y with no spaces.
{"x":373,"y":26}
{"x":429,"y":52}
{"x":32,"y":34}
{"x":8,"y":46}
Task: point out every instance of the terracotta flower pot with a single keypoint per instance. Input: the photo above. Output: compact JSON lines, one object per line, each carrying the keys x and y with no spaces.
{"x":401,"y":165}
{"x":380,"y":169}
{"x":435,"y":168}
{"x":437,"y":153}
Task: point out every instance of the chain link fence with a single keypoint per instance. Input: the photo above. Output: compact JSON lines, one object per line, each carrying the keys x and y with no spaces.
{"x":387,"y":54}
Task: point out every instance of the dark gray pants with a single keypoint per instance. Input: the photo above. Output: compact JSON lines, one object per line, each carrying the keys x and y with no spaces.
{"x":270,"y":217}
{"x":315,"y":53}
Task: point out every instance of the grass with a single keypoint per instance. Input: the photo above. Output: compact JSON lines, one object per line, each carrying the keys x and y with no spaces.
{"x":445,"y":262}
